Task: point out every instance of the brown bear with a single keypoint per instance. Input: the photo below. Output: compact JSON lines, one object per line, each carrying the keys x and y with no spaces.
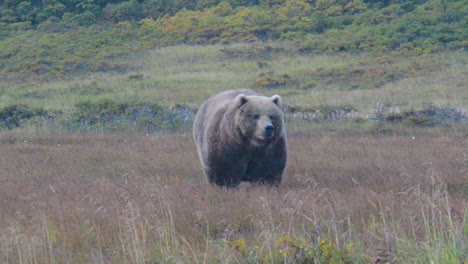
{"x":240,"y":137}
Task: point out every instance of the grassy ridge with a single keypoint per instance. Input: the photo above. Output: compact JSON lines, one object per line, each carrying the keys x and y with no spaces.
{"x":189,"y":74}
{"x":178,"y":76}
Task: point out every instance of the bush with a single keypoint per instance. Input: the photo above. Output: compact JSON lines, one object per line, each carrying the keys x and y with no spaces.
{"x":70,"y":52}
{"x":270,"y":81}
{"x":75,"y":31}
{"x":429,"y":116}
{"x":125,"y":11}
{"x":85,"y":19}
{"x":107,"y":113}
{"x":13,"y":116}
{"x":373,"y":73}
{"x":290,"y":249}
{"x":102,"y":115}
{"x":322,"y":113}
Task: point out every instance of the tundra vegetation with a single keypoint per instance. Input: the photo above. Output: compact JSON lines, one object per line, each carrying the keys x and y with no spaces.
{"x":97,"y":100}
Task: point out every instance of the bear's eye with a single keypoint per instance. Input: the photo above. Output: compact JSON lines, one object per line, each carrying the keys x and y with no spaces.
{"x":256,"y":116}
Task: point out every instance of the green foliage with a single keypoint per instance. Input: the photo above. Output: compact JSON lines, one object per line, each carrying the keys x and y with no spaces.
{"x":109,"y":114}
{"x":322,"y":26}
{"x":370,"y":74}
{"x":327,"y":25}
{"x":430,"y":116}
{"x":270,"y":80}
{"x":36,"y":12}
{"x":67,"y":39}
{"x":101,"y":115}
{"x":12,"y":116}
{"x":70,"y":52}
{"x":322,"y":113}
{"x":124,"y":11}
{"x":290,"y":249}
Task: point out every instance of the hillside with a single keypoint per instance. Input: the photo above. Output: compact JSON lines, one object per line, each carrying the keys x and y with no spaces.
{"x":60,"y":38}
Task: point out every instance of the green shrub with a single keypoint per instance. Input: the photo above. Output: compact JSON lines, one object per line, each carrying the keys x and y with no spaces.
{"x":14,"y":115}
{"x":270,"y":81}
{"x":290,"y":249}
{"x":421,"y":121}
{"x":85,"y":19}
{"x":81,"y":42}
{"x":107,"y":113}
{"x":429,"y":116}
{"x":321,"y":113}
{"x":58,"y":53}
{"x":101,"y":115}
{"x":308,"y":85}
{"x":373,"y":73}
{"x":124,"y":11}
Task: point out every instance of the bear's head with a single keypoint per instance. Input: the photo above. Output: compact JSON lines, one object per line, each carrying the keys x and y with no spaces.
{"x":259,"y":118}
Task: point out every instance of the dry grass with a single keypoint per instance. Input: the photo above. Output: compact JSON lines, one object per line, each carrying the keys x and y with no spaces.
{"x":142,"y":199}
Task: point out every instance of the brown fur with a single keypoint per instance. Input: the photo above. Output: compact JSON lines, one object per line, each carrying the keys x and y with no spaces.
{"x":240,"y":137}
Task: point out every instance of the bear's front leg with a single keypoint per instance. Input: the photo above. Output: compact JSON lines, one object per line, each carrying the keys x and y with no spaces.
{"x":226,"y":173}
{"x":266,"y":166}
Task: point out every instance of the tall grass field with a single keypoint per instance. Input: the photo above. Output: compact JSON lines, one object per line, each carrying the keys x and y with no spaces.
{"x":349,"y":196}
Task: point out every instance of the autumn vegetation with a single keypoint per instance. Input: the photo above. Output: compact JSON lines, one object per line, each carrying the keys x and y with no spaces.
{"x":97,"y":162}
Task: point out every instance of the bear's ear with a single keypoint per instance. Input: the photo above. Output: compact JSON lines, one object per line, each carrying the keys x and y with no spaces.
{"x":277,"y":100}
{"x":240,"y":100}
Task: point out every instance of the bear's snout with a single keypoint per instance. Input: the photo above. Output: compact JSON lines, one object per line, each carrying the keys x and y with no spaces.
{"x":269,"y":131}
